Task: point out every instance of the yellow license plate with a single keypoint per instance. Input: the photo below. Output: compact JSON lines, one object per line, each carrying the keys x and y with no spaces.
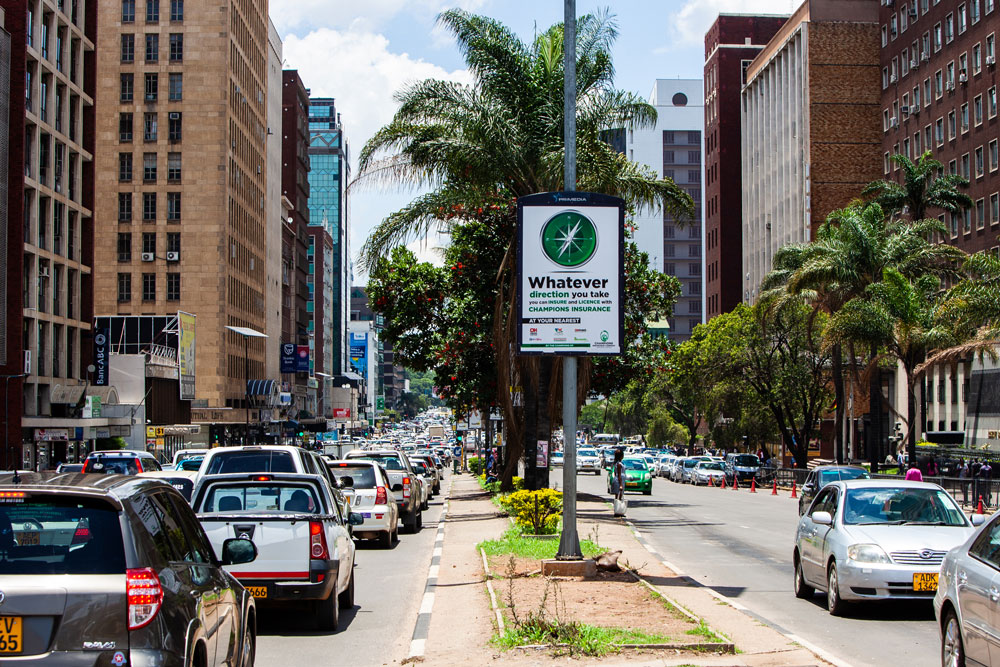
{"x":10,"y":634}
{"x":631,"y":483}
{"x":28,"y":538}
{"x":925,"y":581}
{"x":257,"y":591}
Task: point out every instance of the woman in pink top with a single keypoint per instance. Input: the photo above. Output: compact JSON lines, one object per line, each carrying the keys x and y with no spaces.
{"x":913,"y":474}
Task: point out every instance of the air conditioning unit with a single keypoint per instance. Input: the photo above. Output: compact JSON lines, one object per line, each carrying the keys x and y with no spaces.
{"x":892,"y":78}
{"x":915,"y":109}
{"x":991,"y":61}
{"x":893,"y":122}
{"x":173,"y":257}
{"x":148,"y":257}
{"x":174,"y":115}
{"x":905,"y":109}
{"x":963,"y":78}
{"x":915,"y":63}
{"x":924,"y":57}
{"x":950,"y":85}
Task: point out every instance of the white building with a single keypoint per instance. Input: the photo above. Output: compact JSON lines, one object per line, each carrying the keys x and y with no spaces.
{"x":674,"y":149}
{"x":272,"y":228}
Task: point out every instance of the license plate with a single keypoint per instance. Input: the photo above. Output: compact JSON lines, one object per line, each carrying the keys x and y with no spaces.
{"x":631,"y":483}
{"x":366,"y":515}
{"x":10,"y":634}
{"x":925,"y":581}
{"x":257,"y":591}
{"x":28,"y":538}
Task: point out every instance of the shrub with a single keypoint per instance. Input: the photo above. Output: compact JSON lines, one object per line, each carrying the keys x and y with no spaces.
{"x":476,"y":465}
{"x":537,"y":511}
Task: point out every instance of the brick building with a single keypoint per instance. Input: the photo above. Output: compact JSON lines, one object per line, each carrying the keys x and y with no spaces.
{"x":732,"y":42}
{"x":811,"y":138}
{"x":181,"y":176}
{"x":939,"y":93}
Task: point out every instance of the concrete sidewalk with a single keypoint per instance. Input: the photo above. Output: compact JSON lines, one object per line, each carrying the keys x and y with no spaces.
{"x":461,"y":623}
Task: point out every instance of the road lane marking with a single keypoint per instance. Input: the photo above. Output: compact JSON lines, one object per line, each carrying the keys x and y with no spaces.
{"x":421,"y":628}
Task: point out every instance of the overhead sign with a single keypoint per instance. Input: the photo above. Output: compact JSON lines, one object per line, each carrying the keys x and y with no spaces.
{"x":570,"y":273}
{"x":288,"y":357}
{"x":359,"y":353}
{"x":102,"y":352}
{"x":186,"y":354}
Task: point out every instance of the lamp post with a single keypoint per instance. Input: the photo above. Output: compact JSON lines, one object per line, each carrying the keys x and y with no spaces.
{"x":247,"y":334}
{"x":6,"y":417}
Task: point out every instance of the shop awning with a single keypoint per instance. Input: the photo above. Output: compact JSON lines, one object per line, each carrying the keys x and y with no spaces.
{"x":261,"y":387}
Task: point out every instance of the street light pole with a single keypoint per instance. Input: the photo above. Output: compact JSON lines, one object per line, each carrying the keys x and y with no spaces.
{"x":247,"y":333}
{"x":6,"y":418}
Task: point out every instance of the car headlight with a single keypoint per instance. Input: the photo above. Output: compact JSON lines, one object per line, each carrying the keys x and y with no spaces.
{"x":867,"y":553}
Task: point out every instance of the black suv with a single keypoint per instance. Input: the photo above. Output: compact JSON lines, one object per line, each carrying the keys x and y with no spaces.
{"x":146,"y":589}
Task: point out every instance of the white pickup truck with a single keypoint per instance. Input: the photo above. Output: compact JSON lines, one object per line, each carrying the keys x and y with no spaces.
{"x":301,"y":529}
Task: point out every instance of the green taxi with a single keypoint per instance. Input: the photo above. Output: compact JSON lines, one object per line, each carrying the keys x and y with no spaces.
{"x":638,"y":476}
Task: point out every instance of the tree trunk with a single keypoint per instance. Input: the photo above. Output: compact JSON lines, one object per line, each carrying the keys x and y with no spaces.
{"x":537,"y":424}
{"x":875,"y":414}
{"x":911,"y":409}
{"x":838,"y":390}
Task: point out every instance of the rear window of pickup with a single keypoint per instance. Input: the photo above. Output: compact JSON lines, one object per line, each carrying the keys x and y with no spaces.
{"x":261,"y":497}
{"x":251,"y":461}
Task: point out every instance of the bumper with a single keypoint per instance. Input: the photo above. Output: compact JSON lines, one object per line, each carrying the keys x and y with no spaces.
{"x":877,"y":581}
{"x":378,"y":519}
{"x":321,"y":583}
{"x":588,"y":467}
{"x":639,"y":485}
{"x":135,"y":657}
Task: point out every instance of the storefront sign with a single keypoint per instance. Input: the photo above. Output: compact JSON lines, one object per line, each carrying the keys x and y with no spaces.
{"x":288,"y":357}
{"x":92,"y":407}
{"x":571,"y":273}
{"x":51,"y":434}
{"x":359,"y":353}
{"x":186,"y":354}
{"x":342,"y":413}
{"x":302,"y":358}
{"x":101,"y":361}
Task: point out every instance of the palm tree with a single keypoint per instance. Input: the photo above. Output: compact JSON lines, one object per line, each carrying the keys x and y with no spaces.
{"x":924,"y":187}
{"x":501,"y":137}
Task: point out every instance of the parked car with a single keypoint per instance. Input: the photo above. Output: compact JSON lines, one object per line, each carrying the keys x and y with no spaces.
{"x":556,"y":459}
{"x":663,"y":464}
{"x":116,"y":570}
{"x":263,"y":458}
{"x":182,"y":480}
{"x":121,"y":462}
{"x":741,"y":468}
{"x":301,"y":529}
{"x":820,"y":476}
{"x":876,"y":540}
{"x":965,"y":604}
{"x":588,"y":460}
{"x":404,"y":483}
{"x":686,"y":468}
{"x":69,"y":467}
{"x":185,"y":454}
{"x":423,"y":471}
{"x":366,"y":489}
{"x":638,"y":476}
{"x":434,"y":475}
{"x":708,"y":471}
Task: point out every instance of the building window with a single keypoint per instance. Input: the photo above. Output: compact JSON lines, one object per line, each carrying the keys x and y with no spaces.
{"x":974,"y":11}
{"x":173,"y":287}
{"x":128,"y":11}
{"x":149,"y":127}
{"x":152,"y":86}
{"x":980,"y":162}
{"x":149,"y":243}
{"x":127,"y":83}
{"x":965,"y":117}
{"x":694,"y":269}
{"x":125,"y":167}
{"x":128,"y":48}
{"x":694,"y":157}
{"x":174,"y":126}
{"x":124,"y":207}
{"x":176,"y":10}
{"x":124,"y":247}
{"x":173,"y":242}
{"x":995,"y":208}
{"x":668,"y":138}
{"x":966,"y":221}
{"x":176,"y":47}
{"x":173,"y":167}
{"x":124,"y":127}
{"x":991,"y":102}
{"x":994,"y":157}
{"x":938,"y":84}
{"x":952,"y":125}
{"x":937,"y":37}
{"x":962,"y":19}
{"x":669,"y":251}
{"x":149,"y":167}
{"x":152,"y":47}
{"x":152,"y":11}
{"x":949,"y":28}
{"x":124,"y":287}
{"x":176,"y":86}
{"x":990,"y":46}
{"x":980,"y":213}
{"x":173,"y":206}
{"x":939,"y":131}
{"x":977,"y":110}
{"x":149,"y":207}
{"x":965,"y":166}
{"x":149,"y":287}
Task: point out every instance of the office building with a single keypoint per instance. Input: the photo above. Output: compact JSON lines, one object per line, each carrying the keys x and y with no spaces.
{"x":810,"y":138}
{"x":939,"y":94}
{"x":731,"y":44}
{"x":393,"y":376}
{"x":274,"y":220}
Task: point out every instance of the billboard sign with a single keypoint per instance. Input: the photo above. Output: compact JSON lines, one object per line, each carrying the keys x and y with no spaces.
{"x":570,"y":274}
{"x":302,"y":358}
{"x":288,"y":357}
{"x":102,"y":361}
{"x":359,"y":353}
{"x":186,"y":354}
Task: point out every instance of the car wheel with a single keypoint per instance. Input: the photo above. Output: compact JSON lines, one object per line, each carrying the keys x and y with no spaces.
{"x":834,"y":604}
{"x":418,"y":522}
{"x":385,"y":540}
{"x":803,"y":590}
{"x":424,"y":505}
{"x":328,"y":613}
{"x":249,"y":646}
{"x":952,"y":648}
{"x":346,"y":599}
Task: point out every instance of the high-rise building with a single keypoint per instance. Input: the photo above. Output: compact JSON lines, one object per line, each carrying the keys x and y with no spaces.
{"x":329,"y":174}
{"x":673,"y":149}
{"x":393,"y":377}
{"x":274,"y":225}
{"x":320,"y":304}
{"x":732,"y":42}
{"x":181,"y":177}
{"x":810,"y":127}
{"x":939,"y":94}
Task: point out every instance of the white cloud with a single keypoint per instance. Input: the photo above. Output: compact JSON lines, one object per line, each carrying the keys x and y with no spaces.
{"x":693,"y":20}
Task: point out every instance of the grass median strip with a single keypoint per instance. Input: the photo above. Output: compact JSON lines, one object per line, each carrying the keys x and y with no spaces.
{"x":515,"y":543}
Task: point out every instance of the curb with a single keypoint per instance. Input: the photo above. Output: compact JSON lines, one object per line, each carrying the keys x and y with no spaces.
{"x":421,"y":629}
{"x":819,"y":652}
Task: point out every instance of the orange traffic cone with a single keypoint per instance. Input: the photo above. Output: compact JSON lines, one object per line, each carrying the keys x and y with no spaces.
{"x":710,"y":481}
{"x":774,"y":488}
{"x":979,"y":507}
{"x":736,"y":484}
{"x":793,"y":491}
{"x":723,"y":484}
{"x":753,"y":485}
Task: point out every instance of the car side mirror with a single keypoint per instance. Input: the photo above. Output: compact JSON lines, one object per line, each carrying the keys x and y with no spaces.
{"x":236,"y":551}
{"x":978,"y":519}
{"x":396,"y":487}
{"x":347,"y":481}
{"x":822,"y":518}
{"x":355,"y":519}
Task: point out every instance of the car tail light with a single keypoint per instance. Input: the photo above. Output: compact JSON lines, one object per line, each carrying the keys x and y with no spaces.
{"x":138,"y":464}
{"x":145,"y":596}
{"x":381,"y":497}
{"x":81,"y":535}
{"x":317,"y":542}
{"x":406,"y":487}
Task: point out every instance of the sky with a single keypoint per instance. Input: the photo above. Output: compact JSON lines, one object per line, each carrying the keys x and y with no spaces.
{"x":360,"y":53}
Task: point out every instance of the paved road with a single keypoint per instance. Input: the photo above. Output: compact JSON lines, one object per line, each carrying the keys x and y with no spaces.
{"x":389,"y":586}
{"x":740,"y":544}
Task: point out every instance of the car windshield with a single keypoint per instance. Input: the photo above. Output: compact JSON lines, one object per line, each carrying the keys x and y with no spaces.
{"x":634,"y":464}
{"x":184,"y":456}
{"x":388,"y":462}
{"x":710,"y":465}
{"x":251,"y":461}
{"x":827,"y":476}
{"x":901,"y":505}
{"x":588,"y":452}
{"x":690,"y":463}
{"x":746,"y":460}
{"x":363,"y":476}
{"x":114,"y":465}
{"x":66,"y":535}
{"x":258,"y":497}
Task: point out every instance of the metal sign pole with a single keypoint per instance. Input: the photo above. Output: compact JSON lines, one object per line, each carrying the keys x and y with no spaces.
{"x":569,"y":543}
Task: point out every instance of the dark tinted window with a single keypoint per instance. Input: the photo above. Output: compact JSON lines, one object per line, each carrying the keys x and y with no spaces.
{"x":198,"y":548}
{"x":45,"y":535}
{"x":112,"y":465}
{"x":261,"y":497}
{"x":827,"y":476}
{"x":251,"y":461}
{"x":388,"y":462}
{"x":987,"y":545}
{"x":746,"y":460}
{"x":363,"y":475}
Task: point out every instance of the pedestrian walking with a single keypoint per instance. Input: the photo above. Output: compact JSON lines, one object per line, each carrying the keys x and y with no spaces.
{"x":963,"y":475}
{"x":618,"y":484}
{"x":986,"y":477}
{"x":914,"y":475}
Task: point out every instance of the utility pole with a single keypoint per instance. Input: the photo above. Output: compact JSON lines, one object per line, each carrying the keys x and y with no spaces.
{"x":569,"y":543}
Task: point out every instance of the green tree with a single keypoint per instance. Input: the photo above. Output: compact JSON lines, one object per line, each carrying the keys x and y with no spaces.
{"x":925,"y":187}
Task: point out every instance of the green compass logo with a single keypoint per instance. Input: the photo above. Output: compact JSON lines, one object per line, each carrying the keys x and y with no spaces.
{"x":569,"y":239}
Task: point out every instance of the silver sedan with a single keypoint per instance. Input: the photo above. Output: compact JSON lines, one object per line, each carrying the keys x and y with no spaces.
{"x":876,"y":540}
